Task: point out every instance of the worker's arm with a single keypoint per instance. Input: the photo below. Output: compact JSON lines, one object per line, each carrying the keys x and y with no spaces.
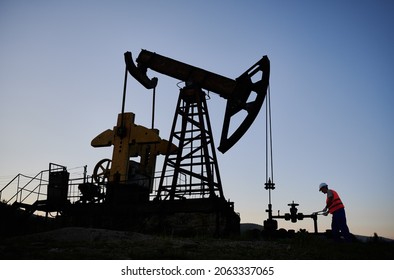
{"x":330,"y":196}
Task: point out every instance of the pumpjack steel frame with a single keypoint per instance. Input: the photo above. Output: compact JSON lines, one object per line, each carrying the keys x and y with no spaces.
{"x":196,"y":156}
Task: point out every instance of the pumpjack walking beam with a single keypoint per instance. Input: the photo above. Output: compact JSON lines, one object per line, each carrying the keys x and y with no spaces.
{"x":196,"y":157}
{"x":237,"y":92}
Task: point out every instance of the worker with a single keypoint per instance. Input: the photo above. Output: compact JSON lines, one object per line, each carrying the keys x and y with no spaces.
{"x":335,"y":207}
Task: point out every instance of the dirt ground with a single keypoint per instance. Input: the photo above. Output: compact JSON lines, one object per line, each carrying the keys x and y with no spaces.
{"x":92,"y":243}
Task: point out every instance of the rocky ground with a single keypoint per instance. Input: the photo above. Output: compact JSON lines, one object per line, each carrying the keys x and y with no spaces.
{"x":91,"y":243}
{"x":41,"y":239}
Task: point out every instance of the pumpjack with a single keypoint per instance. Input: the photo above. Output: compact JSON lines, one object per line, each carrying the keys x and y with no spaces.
{"x":189,"y":192}
{"x":187,"y":196}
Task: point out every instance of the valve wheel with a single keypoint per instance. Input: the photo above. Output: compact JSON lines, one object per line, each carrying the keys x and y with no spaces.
{"x":101,"y":171}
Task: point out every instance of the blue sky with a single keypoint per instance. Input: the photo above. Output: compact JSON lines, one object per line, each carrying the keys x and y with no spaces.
{"x":61,"y":81}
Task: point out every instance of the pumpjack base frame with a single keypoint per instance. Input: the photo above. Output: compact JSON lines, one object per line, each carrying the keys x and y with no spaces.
{"x":191,"y":217}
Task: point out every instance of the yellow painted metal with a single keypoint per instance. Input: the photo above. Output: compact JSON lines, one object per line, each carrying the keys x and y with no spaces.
{"x":132,"y":141}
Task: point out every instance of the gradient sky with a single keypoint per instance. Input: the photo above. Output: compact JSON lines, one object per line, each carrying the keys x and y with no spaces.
{"x":61,"y":82}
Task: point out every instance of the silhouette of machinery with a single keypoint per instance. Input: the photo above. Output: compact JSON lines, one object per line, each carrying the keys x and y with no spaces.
{"x":189,"y":185}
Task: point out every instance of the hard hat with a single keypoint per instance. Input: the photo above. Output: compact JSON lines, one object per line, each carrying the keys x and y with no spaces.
{"x":322,"y":185}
